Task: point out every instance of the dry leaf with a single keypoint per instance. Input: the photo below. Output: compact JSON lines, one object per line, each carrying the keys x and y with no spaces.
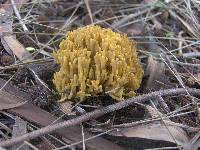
{"x":155,"y":70}
{"x":17,"y":48}
{"x":134,"y":29}
{"x":194,"y":143}
{"x":155,"y":131}
{"x":19,"y":128}
{"x":8,"y":101}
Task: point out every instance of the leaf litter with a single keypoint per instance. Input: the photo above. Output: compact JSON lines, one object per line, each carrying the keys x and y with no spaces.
{"x":167,"y":34}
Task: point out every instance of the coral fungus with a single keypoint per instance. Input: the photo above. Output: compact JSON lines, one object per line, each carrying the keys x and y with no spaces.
{"x":94,"y":60}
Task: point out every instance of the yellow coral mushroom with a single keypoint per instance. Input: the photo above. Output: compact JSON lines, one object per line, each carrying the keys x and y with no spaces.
{"x":94,"y":60}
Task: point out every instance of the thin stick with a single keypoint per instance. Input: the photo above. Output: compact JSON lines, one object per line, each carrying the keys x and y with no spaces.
{"x":192,"y":54}
{"x":128,"y":17}
{"x":79,"y":142}
{"x":82,"y":129}
{"x":170,"y":133}
{"x":19,"y":16}
{"x":165,"y":118}
{"x":97,"y":113}
{"x":89,"y":10}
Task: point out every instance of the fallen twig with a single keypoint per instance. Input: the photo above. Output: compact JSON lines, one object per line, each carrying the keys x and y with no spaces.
{"x":180,"y":43}
{"x":128,"y":17}
{"x":165,"y":117}
{"x":192,"y":54}
{"x":19,"y":16}
{"x":185,"y":24}
{"x":97,"y":113}
{"x":79,"y":142}
{"x":89,"y":10}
